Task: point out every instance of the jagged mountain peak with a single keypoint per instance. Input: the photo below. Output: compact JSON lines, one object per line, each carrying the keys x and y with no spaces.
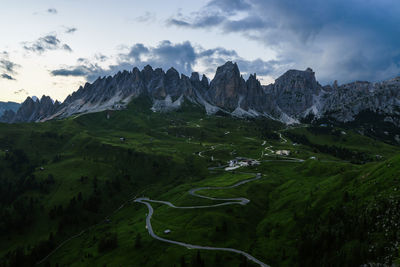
{"x":252,"y":80}
{"x":307,"y":75}
{"x":229,"y":65}
{"x":194,"y":77}
{"x":227,"y":87}
{"x":252,"y":76}
{"x":204,"y":81}
{"x":172,"y":74}
{"x":297,"y":92}
{"x":30,"y":100}
{"x":33,"y":100}
{"x":135,"y":70}
{"x":45,"y":98}
{"x":229,"y":68}
{"x":148,"y":68}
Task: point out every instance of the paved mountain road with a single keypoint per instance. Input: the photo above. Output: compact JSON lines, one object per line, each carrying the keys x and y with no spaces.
{"x":190,"y":246}
{"x":229,"y":201}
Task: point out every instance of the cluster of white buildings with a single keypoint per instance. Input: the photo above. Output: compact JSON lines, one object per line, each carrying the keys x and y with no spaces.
{"x":283,"y":152}
{"x":241,"y":162}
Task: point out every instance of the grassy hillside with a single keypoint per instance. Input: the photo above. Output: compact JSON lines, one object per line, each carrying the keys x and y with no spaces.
{"x":77,"y":178}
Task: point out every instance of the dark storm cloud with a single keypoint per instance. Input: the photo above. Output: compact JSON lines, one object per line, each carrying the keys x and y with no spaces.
{"x":215,"y":13}
{"x":259,"y":66}
{"x":218,"y":56}
{"x":45,"y":43}
{"x":52,"y":11}
{"x":86,"y":69}
{"x":7,"y":77}
{"x":219,"y":50}
{"x":333,"y":36}
{"x":21,"y":92}
{"x":229,"y":5}
{"x":8,"y":65}
{"x":146,"y":17}
{"x":178,"y":22}
{"x":182,"y":56}
{"x":66,"y":47}
{"x":69,"y":72}
{"x":71,"y":30}
{"x":100,"y":57}
{"x":202,"y":21}
{"x":137,"y":51}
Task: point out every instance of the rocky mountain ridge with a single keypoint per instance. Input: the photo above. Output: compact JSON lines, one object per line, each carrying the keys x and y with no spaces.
{"x":294,"y":96}
{"x":31,"y":110}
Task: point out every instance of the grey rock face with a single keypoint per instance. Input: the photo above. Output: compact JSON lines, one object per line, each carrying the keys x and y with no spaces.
{"x":227,"y":87}
{"x":7,"y":116}
{"x":295,"y":91}
{"x":204,"y":81}
{"x":117,"y":91}
{"x":255,"y":97}
{"x":348,"y":100}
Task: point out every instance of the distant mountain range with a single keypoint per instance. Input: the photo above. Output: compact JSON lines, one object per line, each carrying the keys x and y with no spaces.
{"x":295,"y":96}
{"x":8,"y":106}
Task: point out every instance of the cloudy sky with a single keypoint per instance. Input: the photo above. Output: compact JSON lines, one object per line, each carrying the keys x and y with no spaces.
{"x":52,"y":47}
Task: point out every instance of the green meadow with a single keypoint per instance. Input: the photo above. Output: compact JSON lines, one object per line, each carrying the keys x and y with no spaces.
{"x":78,"y":178}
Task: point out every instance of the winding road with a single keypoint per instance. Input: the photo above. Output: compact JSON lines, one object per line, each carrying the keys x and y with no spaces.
{"x":200,"y":154}
{"x":283,"y":139}
{"x":229,"y":201}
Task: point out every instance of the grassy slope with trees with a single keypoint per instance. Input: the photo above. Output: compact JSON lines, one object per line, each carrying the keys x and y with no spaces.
{"x":61,"y":177}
